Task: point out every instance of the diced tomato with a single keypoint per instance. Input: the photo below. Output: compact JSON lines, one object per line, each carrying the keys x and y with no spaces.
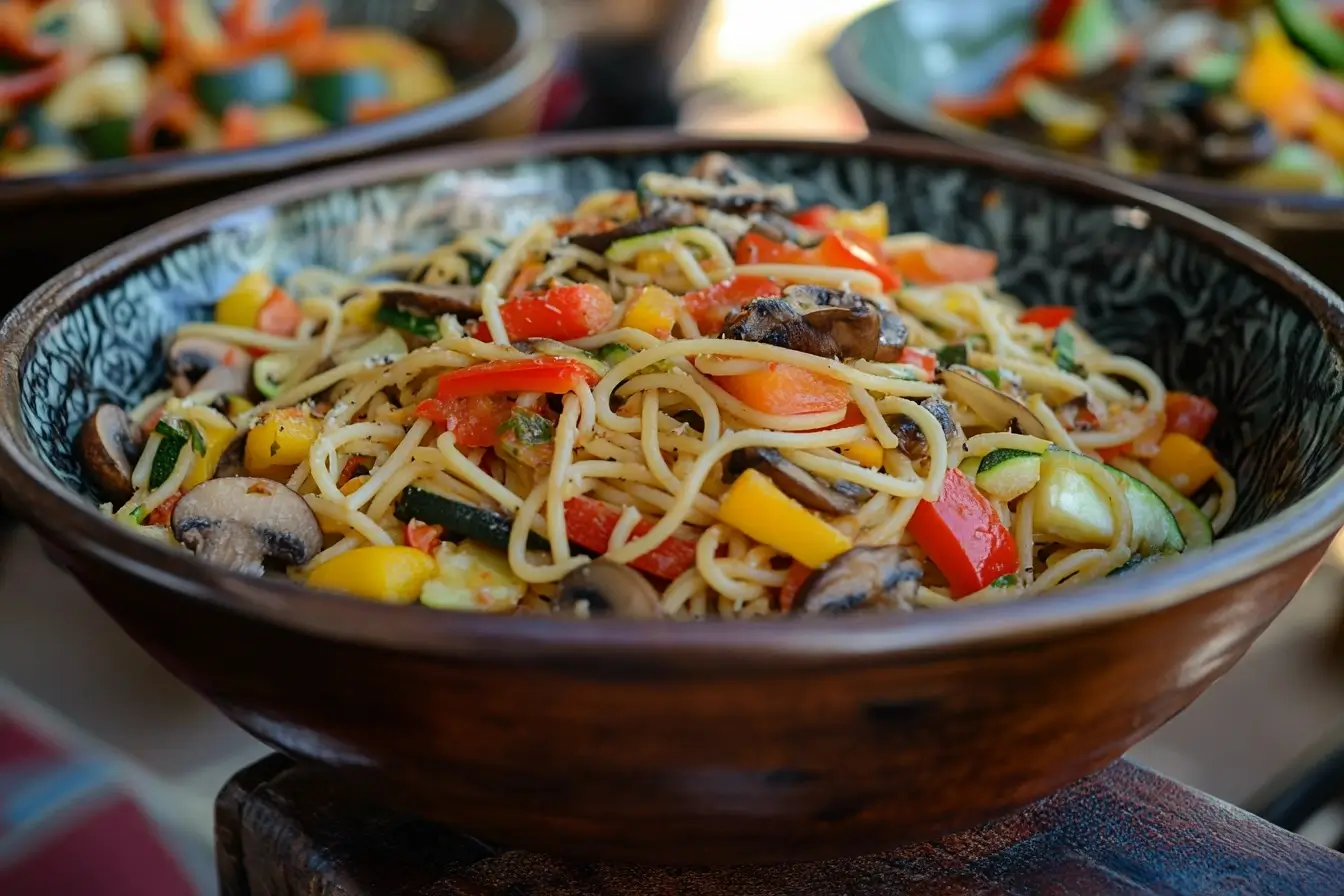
{"x":922,"y":358}
{"x":818,"y":217}
{"x":1048,"y":316}
{"x":474,"y":420}
{"x":711,"y":306}
{"x":756,"y":249}
{"x":1190,"y":415}
{"x":798,"y":574}
{"x":945,"y":263}
{"x":163,"y":514}
{"x":857,"y":251}
{"x":590,"y":522}
{"x":423,"y":536}
{"x":562,"y":313}
{"x":963,"y":536}
{"x":784,"y":389}
{"x":279,"y":315}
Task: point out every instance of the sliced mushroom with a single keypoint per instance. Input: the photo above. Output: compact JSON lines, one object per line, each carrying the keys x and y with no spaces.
{"x":231,"y":461}
{"x":777,"y":322}
{"x":774,"y":226}
{"x":913,"y":442}
{"x":838,"y":497}
{"x":664,"y":217}
{"x":736,"y":198}
{"x":856,"y":331}
{"x":200,"y":364}
{"x":997,"y":409}
{"x":241,"y":523}
{"x":862,"y":576}
{"x":893,"y":333}
{"x":609,"y":589}
{"x":109,"y":445}
{"x":434,"y":301}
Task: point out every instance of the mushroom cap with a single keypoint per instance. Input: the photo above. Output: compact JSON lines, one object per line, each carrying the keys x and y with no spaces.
{"x":998,"y":409}
{"x":777,"y":322}
{"x":435,"y":301}
{"x":892,"y":331}
{"x":860,"y":576}
{"x":838,"y":497}
{"x":200,"y":364}
{"x":610,"y":589}
{"x":913,"y":443}
{"x":109,"y":444}
{"x":666,"y":216}
{"x":242,"y":522}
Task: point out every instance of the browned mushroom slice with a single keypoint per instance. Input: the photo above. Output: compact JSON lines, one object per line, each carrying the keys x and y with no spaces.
{"x":776,"y":322}
{"x":665,"y":217}
{"x":609,"y":589}
{"x":200,"y":364}
{"x":914,"y":445}
{"x":109,"y":445}
{"x":242,"y":523}
{"x":734,"y":198}
{"x":856,"y":331}
{"x":859,"y":577}
{"x":893,"y":333}
{"x":999,"y":410}
{"x":431,"y":301}
{"x":839,"y":497}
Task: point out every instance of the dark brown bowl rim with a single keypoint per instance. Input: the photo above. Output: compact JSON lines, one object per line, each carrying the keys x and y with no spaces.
{"x":1204,"y":192}
{"x":33,"y":491}
{"x":526,"y":61}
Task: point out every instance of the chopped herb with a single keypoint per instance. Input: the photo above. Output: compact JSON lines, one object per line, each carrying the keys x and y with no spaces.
{"x":1063,"y":352}
{"x":993,"y":375}
{"x":614,"y":353}
{"x":415,"y":324}
{"x":528,"y":428}
{"x":955,"y":353}
{"x":197,"y":438}
{"x":977,"y":342}
{"x":1007,"y":581}
{"x":139,"y":514}
{"x":165,"y":459}
{"x":476,"y":267}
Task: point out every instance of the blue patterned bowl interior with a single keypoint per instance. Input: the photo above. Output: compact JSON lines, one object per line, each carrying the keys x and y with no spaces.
{"x":1207,"y":324}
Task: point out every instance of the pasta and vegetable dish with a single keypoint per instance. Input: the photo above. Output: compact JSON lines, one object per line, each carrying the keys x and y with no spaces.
{"x":691,"y":399}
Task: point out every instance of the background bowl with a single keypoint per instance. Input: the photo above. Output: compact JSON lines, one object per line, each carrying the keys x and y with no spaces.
{"x":894,"y":58}
{"x":715,"y":742}
{"x":496,"y":50}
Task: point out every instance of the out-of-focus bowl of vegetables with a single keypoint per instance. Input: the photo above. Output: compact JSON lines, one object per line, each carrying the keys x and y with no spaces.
{"x":115,"y":113}
{"x":1234,"y":105}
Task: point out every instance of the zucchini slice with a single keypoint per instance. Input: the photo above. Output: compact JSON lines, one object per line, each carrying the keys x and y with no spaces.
{"x":462,"y":520}
{"x":264,"y":81}
{"x":334,"y":95}
{"x":1071,"y":509}
{"x":269,"y":371}
{"x":1306,"y":25}
{"x":1008,"y":473}
{"x":106,"y":138}
{"x":1194,"y":525}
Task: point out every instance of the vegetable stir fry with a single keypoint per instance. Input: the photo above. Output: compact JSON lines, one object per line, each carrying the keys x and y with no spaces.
{"x":1229,"y":89}
{"x":690,"y":399}
{"x":88,"y":80}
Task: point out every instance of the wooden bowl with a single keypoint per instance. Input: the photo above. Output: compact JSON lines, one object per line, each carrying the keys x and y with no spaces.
{"x":496,"y":50}
{"x":896,"y":57}
{"x":716,"y":742}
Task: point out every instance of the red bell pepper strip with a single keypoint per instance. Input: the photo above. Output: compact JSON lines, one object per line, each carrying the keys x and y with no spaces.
{"x":163,"y":514}
{"x":756,"y":249}
{"x":850,"y":249}
{"x":786,"y":390}
{"x":798,"y":574}
{"x":561,"y":313}
{"x":963,"y":536}
{"x":1190,"y":415}
{"x":423,"y":536}
{"x":1048,"y":316}
{"x":710,"y":307}
{"x":1049,"y":59}
{"x":922,"y":358}
{"x":279,"y":315}
{"x":552,"y":375}
{"x":818,"y":217}
{"x":590,"y":523}
{"x":945,"y":263}
{"x":473,"y":420}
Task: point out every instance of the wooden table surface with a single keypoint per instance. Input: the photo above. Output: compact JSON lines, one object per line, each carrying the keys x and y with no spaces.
{"x":283,"y":831}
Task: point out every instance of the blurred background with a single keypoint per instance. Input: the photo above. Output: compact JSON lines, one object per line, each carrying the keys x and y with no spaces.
{"x":752,"y":67}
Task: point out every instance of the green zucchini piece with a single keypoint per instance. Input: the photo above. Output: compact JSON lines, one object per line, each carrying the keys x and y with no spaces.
{"x":269,"y":371}
{"x":460,"y":519}
{"x":334,"y":95}
{"x":1217,"y":71}
{"x":553,"y":348}
{"x":1307,"y":26}
{"x":387,"y":344}
{"x":165,"y":458}
{"x":1158,"y":531}
{"x":1070,"y":508}
{"x":626,"y":249}
{"x":1134,"y":562}
{"x":950,"y":355}
{"x":260,"y":82}
{"x":415,"y":324}
{"x":969,"y":467}
{"x":1093,"y":34}
{"x":476,"y":267}
{"x":1052,"y":108}
{"x":106,"y":138}
{"x":1194,"y":525}
{"x":1008,"y":473}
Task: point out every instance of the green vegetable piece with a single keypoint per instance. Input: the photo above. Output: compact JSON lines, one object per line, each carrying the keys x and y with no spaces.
{"x":528,"y":428}
{"x":1306,"y":26}
{"x":107,"y":138}
{"x":614,"y":353}
{"x":993,"y":375}
{"x":139,"y":514}
{"x":1063,"y":352}
{"x":476,"y":267}
{"x":462,"y":520}
{"x":335,"y":95}
{"x":165,"y":459}
{"x":1094,"y":35}
{"x":260,"y":82}
{"x":955,"y":353}
{"x":1216,"y":71}
{"x":1004,"y":581}
{"x":415,"y":324}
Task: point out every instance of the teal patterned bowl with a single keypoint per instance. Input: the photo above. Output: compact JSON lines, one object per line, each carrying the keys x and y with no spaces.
{"x":775,"y":740}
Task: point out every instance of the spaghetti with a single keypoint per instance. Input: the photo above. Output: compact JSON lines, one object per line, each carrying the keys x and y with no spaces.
{"x":685,"y":400}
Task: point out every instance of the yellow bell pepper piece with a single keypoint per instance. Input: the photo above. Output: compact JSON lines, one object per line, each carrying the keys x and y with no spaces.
{"x":653,"y":310}
{"x":282,"y":438}
{"x":1328,"y":133}
{"x":353,"y":484}
{"x":218,"y":433}
{"x":870,"y":221}
{"x":1277,"y":81}
{"x":392,"y":574}
{"x":238,"y":405}
{"x":1184,"y":463}
{"x":362,"y":311}
{"x":866,"y":452}
{"x":654,"y":262}
{"x":240,"y":305}
{"x":757,"y":508}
